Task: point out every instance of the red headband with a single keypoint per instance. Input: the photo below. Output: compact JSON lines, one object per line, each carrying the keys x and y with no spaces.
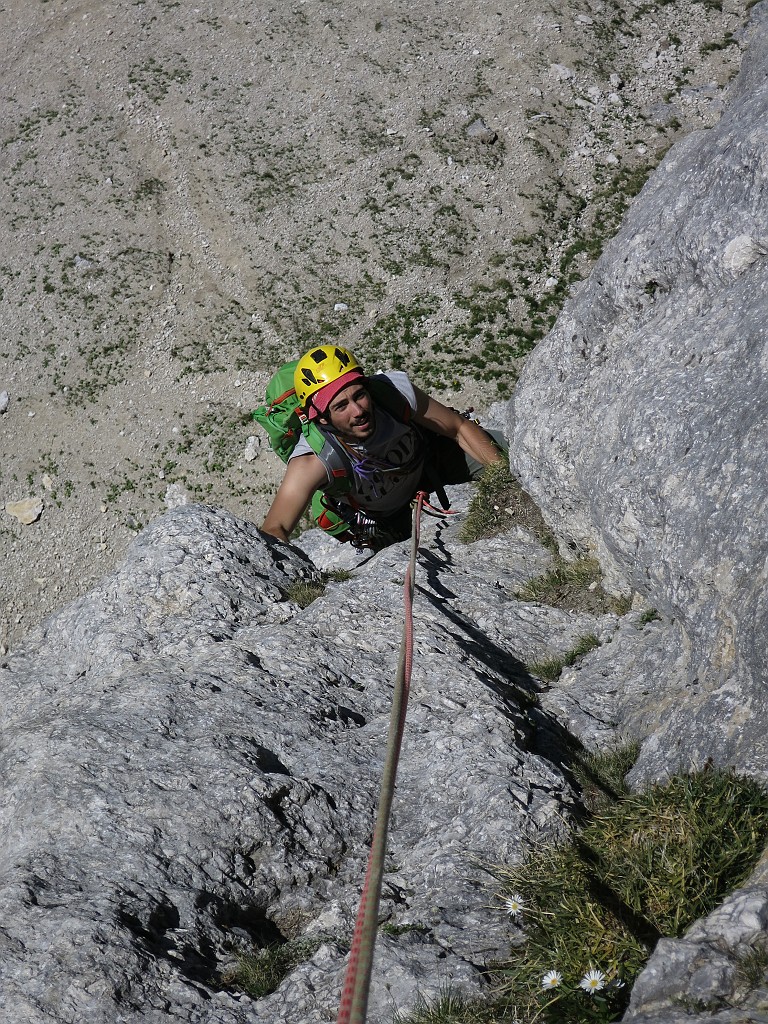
{"x":319,"y":402}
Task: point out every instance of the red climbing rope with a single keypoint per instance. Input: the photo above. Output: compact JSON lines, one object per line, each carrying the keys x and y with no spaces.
{"x":357,"y":980}
{"x":438,"y":513}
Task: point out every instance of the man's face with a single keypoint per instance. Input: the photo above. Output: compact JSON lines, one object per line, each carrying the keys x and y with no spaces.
{"x":351,"y":412}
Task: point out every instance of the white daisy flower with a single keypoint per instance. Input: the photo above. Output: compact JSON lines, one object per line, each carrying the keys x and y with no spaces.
{"x":592,"y":981}
{"x":514,"y":905}
{"x":552,"y":979}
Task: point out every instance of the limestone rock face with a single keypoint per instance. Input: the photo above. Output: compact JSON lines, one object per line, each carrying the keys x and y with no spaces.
{"x":191,"y":766}
{"x":648,"y":446}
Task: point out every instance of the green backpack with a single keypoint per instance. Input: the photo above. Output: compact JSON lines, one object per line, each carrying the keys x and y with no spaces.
{"x":284,"y":422}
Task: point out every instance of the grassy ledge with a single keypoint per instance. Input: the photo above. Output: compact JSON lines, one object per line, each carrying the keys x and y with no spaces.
{"x":574,"y":586}
{"x":643,"y":866}
{"x":551,"y":668}
{"x":259,"y":973}
{"x":499,"y":502}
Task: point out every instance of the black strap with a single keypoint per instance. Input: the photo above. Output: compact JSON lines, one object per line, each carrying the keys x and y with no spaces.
{"x":429,"y":477}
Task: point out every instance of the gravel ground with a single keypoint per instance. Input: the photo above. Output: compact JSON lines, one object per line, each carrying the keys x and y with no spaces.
{"x":193,"y":194}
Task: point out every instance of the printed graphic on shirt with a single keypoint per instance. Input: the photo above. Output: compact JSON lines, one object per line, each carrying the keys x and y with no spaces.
{"x":379,"y":484}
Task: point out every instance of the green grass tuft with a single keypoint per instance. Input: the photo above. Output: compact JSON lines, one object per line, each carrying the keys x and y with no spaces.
{"x":552,"y":586}
{"x":261,"y":972}
{"x":752,"y":968}
{"x":499,"y":503}
{"x":304,"y":592}
{"x":643,"y":868}
{"x":551,"y":668}
{"x":452,"y":1008}
{"x":651,"y":615}
{"x":337,"y":575}
{"x":601,"y":777}
{"x":574,"y":586}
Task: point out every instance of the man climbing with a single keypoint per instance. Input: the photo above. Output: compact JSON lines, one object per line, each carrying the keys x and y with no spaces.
{"x":393,"y":439}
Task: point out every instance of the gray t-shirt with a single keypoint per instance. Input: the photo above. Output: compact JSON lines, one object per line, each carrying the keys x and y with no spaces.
{"x":378,"y":485}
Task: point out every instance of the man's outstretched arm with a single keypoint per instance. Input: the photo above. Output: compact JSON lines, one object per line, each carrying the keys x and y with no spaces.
{"x":304,"y":475}
{"x":471,"y":437}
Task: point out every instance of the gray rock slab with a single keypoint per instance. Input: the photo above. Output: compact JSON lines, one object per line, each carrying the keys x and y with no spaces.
{"x":624,"y":689}
{"x":191,"y":763}
{"x":665,"y":348}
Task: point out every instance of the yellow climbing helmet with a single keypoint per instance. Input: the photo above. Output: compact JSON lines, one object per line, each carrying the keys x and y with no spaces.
{"x":320,"y":367}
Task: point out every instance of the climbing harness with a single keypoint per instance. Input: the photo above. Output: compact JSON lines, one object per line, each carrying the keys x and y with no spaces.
{"x":364,"y":531}
{"x":357,"y":980}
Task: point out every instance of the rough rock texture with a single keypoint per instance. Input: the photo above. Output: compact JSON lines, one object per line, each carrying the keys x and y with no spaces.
{"x":665,"y":347}
{"x":191,"y":765}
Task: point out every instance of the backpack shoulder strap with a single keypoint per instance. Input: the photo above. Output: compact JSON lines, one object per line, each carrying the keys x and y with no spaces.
{"x":338,"y":467}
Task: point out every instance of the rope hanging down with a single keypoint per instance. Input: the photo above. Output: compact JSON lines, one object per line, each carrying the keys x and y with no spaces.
{"x":357,"y":980}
